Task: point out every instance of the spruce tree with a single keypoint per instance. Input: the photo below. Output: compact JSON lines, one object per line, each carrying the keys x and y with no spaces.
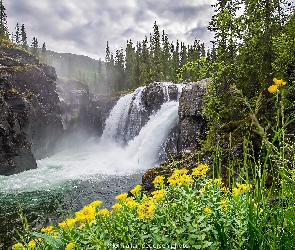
{"x":3,"y":22}
{"x":17,"y":35}
{"x":24,"y":42}
{"x":35,"y":47}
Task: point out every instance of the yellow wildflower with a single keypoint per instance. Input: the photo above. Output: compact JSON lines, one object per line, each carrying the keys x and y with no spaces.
{"x":32,"y":244}
{"x":81,"y":227}
{"x":244,"y":187}
{"x":96,"y":203}
{"x":117,"y":206}
{"x":158,"y":181}
{"x":224,"y":205}
{"x":104,"y":212}
{"x":272,"y":88}
{"x":279,"y":82}
{"x":159,"y":194}
{"x":67,"y":224}
{"x":224,"y":189}
{"x":236,"y":191}
{"x":70,"y":246}
{"x":180,"y":171}
{"x":200,"y":171}
{"x":47,"y":230}
{"x":218,"y":181}
{"x":131,"y":203}
{"x":136,"y":189}
{"x":146,"y":210}
{"x":121,"y":197}
{"x":86,"y":214}
{"x":207,"y":210}
{"x":180,"y":177}
{"x":18,"y":245}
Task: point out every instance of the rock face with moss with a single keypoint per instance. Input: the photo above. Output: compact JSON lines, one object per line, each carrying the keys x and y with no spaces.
{"x":30,"y":121}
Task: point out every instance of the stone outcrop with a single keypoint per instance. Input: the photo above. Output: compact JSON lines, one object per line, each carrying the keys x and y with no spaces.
{"x":30,"y":121}
{"x":192,"y":122}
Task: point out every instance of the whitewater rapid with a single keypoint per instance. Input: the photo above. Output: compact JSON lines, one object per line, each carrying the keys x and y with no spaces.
{"x":97,"y":158}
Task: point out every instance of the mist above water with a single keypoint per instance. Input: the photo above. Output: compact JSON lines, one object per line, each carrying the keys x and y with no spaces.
{"x":82,"y":157}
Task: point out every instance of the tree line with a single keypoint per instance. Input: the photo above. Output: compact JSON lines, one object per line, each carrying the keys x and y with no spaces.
{"x":155,"y":58}
{"x":255,"y":43}
{"x":19,"y":37}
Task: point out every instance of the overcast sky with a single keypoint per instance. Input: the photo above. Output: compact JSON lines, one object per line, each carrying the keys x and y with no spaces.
{"x":84,"y":26}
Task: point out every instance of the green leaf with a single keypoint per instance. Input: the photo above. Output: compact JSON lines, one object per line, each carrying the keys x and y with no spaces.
{"x":56,"y":243}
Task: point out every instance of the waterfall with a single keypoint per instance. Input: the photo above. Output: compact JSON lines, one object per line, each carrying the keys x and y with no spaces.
{"x":131,"y":142}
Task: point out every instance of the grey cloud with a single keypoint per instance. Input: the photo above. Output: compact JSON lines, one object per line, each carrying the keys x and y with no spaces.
{"x":84,"y":26}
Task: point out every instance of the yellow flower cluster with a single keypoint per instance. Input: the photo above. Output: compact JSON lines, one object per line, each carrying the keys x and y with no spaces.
{"x":47,"y":230}
{"x":33,"y":243}
{"x":241,"y":188}
{"x":95,"y":203}
{"x":180,"y":176}
{"x":86,"y":214}
{"x":104,"y":212}
{"x":158,"y":181}
{"x":224,"y":189}
{"x":200,"y":171}
{"x":224,"y":205}
{"x":136,"y":189}
{"x":159,"y":194}
{"x":207,"y":210}
{"x":70,"y":246}
{"x":130,"y":203}
{"x":117,"y":206}
{"x":218,"y":182}
{"x":67,"y":224}
{"x":121,"y":197}
{"x":273,"y":88}
{"x":146,"y":210}
{"x":18,"y":246}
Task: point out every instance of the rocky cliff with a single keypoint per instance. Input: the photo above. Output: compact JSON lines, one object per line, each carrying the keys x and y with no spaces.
{"x":30,"y":121}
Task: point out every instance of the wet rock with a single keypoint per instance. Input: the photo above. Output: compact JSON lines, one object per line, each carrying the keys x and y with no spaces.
{"x":30,"y":121}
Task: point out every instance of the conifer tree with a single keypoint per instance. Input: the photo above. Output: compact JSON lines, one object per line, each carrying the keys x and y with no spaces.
{"x":24,"y":42}
{"x":156,"y":53}
{"x":166,"y":57}
{"x":109,"y":62}
{"x":3,"y":22}
{"x":35,"y":47}
{"x":130,"y":65}
{"x":119,"y":72}
{"x":17,"y":35}
{"x":44,"y":53}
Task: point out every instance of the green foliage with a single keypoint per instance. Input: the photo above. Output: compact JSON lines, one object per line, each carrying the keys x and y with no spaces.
{"x":195,"y":71}
{"x":253,"y":44}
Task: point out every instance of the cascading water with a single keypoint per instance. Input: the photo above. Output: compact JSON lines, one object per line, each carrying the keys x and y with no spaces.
{"x":93,"y":168}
